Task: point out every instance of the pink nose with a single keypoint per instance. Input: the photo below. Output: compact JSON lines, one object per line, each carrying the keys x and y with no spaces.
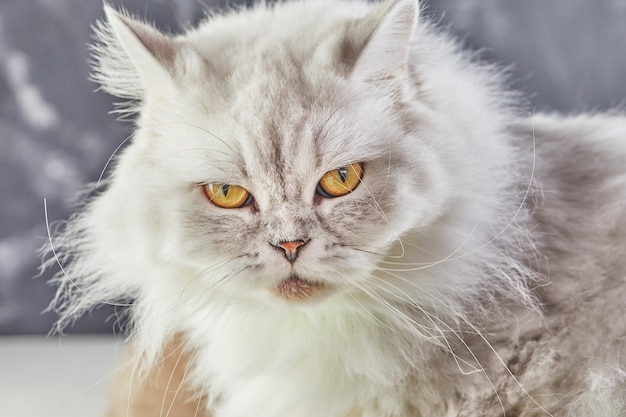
{"x":291,"y":249}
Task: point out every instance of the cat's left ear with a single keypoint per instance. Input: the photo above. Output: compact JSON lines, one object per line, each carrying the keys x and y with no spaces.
{"x":390,"y":29}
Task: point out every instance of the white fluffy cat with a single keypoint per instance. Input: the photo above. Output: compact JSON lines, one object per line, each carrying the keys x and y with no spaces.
{"x":328,"y":209}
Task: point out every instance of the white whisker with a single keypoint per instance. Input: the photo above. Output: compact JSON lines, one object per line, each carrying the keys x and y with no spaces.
{"x":108,"y":162}
{"x":447,"y":258}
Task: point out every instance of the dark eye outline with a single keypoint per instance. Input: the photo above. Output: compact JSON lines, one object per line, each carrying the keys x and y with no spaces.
{"x":319,"y":190}
{"x":249,"y":198}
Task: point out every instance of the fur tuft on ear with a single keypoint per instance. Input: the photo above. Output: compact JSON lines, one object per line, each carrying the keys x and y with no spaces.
{"x":389,"y":31}
{"x":129,"y":56}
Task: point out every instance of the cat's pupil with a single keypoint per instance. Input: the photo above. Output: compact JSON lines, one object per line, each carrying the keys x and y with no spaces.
{"x":225,"y":188}
{"x":343,"y":173}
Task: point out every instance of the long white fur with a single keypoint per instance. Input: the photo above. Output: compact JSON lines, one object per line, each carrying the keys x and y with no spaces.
{"x":452,"y":252}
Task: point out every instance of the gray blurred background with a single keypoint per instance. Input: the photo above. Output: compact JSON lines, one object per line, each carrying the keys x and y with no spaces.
{"x":56,"y":134}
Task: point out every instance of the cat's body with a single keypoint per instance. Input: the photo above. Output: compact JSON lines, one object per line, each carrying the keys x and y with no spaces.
{"x":473,"y":268}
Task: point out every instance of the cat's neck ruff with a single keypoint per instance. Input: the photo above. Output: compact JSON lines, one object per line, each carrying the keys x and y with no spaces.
{"x":308,"y":362}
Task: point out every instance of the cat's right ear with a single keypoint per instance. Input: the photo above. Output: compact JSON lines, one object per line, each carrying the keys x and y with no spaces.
{"x":132,"y":59}
{"x":385,"y":36}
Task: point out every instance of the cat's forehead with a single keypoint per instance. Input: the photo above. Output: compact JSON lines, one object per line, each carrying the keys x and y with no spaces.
{"x":286,"y":116}
{"x":286,"y":134}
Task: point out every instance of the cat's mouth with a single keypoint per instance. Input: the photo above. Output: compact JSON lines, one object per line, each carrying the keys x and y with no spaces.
{"x":295,"y":288}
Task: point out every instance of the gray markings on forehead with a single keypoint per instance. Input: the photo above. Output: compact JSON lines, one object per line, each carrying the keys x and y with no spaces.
{"x":275,"y":165}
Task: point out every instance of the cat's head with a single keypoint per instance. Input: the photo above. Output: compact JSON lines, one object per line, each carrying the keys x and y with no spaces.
{"x":283,"y":153}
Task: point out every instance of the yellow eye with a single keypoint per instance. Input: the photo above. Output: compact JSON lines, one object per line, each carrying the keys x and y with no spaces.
{"x":340,"y":181}
{"x":227,"y":196}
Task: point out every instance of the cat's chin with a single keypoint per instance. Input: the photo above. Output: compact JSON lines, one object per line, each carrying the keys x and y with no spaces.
{"x":297,"y":289}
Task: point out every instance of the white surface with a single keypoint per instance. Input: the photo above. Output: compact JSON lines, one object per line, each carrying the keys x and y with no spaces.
{"x":56,"y":377}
